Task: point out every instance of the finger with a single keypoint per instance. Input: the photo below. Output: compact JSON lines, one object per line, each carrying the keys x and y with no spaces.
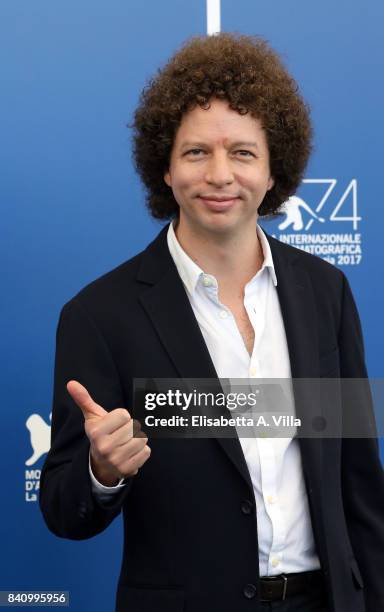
{"x":131,"y":465}
{"x":112,"y":421}
{"x":82,"y":398}
{"x":123,"y":452}
{"x":115,"y":447}
{"x":124,"y":434}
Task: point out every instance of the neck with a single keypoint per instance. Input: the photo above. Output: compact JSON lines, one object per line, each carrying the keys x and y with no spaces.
{"x":233,"y":259}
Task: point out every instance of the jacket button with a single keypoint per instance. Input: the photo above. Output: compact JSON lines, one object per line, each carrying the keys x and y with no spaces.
{"x":249,"y":591}
{"x":83,"y":511}
{"x":247,"y":507}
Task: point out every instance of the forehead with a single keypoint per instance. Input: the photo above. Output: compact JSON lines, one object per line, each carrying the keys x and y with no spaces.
{"x":219,"y":121}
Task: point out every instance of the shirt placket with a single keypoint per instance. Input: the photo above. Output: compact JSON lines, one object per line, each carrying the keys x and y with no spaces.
{"x":222,"y":319}
{"x":254,"y":303}
{"x":269,"y":481}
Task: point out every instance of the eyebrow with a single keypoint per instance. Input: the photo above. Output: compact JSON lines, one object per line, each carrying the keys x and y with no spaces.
{"x":233,"y":144}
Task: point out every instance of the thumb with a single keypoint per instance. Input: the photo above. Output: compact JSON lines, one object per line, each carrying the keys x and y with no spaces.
{"x":82,"y":398}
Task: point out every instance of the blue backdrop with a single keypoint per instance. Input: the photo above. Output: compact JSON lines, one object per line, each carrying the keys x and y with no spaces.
{"x":72,"y":207}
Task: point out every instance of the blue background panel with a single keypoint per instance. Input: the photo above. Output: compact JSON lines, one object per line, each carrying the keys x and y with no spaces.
{"x":73,"y":208}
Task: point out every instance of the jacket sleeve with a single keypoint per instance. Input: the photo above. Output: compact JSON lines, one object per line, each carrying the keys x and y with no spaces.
{"x":362,"y":473}
{"x":68,"y":506}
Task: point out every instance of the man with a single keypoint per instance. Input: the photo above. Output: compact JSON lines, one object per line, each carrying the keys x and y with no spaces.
{"x":221,"y":138}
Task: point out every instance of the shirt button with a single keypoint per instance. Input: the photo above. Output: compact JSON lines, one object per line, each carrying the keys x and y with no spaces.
{"x":249,"y":591}
{"x":207,"y":282}
{"x":270,"y":499}
{"x":275,"y":562}
{"x":83,"y":510}
{"x":253,"y":371}
{"x":223,"y":314}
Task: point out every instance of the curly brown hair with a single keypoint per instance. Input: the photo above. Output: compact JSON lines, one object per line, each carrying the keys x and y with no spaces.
{"x":246,"y":72}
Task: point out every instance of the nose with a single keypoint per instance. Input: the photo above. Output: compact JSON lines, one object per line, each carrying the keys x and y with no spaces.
{"x":219,"y":171}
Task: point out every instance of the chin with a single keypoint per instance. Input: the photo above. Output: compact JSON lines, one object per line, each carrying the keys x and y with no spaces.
{"x":219,"y":224}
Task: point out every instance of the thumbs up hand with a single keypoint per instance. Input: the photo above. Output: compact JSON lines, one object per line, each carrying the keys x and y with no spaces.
{"x":115,"y":453}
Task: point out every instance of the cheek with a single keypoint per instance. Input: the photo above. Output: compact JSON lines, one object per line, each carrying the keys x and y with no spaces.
{"x":254,"y":180}
{"x":185,"y":178}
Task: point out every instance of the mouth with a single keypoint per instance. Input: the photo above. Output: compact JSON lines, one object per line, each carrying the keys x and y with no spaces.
{"x":218,"y":204}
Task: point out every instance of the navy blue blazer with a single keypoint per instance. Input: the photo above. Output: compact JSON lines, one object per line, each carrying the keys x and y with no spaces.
{"x":189,"y":544}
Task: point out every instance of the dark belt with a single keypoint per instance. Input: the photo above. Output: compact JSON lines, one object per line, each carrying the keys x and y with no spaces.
{"x":273,"y":588}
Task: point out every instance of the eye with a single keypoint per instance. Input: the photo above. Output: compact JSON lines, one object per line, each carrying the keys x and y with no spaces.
{"x":194,"y":152}
{"x":247,"y":153}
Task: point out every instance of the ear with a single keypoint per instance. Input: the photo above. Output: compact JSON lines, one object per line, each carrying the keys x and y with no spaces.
{"x":271,"y":183}
{"x":167,"y":179}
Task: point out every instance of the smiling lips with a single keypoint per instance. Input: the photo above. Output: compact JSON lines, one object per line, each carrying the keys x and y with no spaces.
{"x":218,"y":203}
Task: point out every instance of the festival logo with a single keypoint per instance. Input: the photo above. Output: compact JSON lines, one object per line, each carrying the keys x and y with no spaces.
{"x":40,"y":440}
{"x":323,"y":220}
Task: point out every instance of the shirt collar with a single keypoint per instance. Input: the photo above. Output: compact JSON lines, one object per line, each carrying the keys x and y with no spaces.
{"x":190,"y":272}
{"x":268,"y":260}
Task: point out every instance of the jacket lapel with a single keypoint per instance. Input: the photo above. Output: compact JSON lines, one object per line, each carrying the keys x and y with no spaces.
{"x":167,"y":305}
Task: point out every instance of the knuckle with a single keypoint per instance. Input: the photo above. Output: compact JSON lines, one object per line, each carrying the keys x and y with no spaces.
{"x":92,"y":433}
{"x":95,"y":440}
{"x":124,"y":415}
{"x":132,"y":462}
{"x":127,"y":427}
{"x":102,"y":448}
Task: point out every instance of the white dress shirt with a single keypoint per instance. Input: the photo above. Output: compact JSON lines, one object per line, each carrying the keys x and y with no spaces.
{"x":285,"y":536}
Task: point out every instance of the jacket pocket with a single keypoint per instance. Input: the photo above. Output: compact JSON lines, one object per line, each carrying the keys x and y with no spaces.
{"x":148,"y":599}
{"x":358,"y":580}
